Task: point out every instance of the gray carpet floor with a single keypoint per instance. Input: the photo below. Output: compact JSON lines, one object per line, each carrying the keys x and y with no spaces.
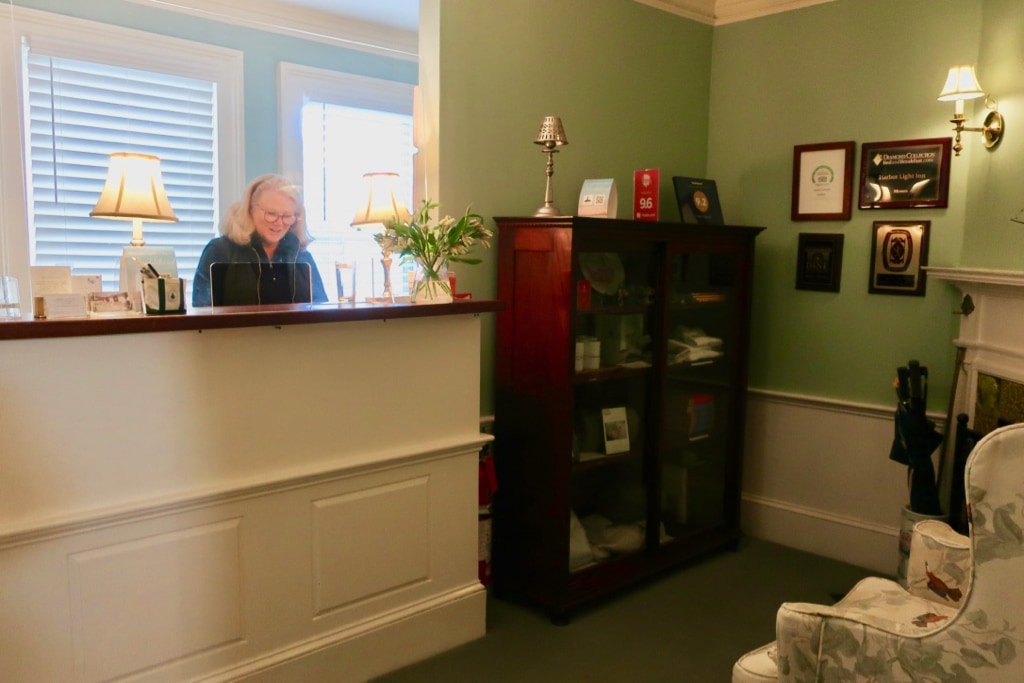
{"x":686,"y":626}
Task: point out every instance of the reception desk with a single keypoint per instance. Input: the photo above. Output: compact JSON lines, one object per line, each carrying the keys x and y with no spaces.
{"x":260,"y":494}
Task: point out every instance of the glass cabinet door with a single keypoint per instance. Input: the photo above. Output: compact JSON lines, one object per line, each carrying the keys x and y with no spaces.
{"x":612,"y":352}
{"x":700,"y":341}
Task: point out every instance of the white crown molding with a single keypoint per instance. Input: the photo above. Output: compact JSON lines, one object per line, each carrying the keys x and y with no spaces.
{"x":718,"y":12}
{"x":698,"y":10}
{"x":307,"y":23}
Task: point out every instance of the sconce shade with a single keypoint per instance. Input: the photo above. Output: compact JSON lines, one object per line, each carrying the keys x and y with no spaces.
{"x":961,"y":84}
{"x":134,"y":191}
{"x":381,"y":203}
{"x":551,"y":131}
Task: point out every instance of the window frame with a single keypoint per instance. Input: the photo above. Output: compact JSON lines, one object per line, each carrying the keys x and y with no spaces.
{"x":298,"y":84}
{"x":63,"y":36}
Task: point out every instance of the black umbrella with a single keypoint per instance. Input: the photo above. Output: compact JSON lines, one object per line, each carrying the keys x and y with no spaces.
{"x":916,"y":438}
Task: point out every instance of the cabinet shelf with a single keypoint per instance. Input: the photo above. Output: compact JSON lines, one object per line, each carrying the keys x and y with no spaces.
{"x":681,"y":475}
{"x":593,"y":461}
{"x":684,"y":304}
{"x":613,"y":310}
{"x":610,"y":373}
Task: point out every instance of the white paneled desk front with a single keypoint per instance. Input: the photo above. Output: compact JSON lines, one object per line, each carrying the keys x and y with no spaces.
{"x":248,"y":495}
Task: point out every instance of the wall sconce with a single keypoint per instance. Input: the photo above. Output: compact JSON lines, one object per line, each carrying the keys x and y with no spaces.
{"x":134,"y":191}
{"x":381,"y":205}
{"x":962,"y":84}
{"x":551,"y":135}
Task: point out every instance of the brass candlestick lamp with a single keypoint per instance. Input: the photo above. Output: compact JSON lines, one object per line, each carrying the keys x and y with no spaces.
{"x":551,"y":135}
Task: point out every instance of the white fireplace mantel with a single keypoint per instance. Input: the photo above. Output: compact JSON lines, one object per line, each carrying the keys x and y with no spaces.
{"x":992,"y":334}
{"x":970,"y":280}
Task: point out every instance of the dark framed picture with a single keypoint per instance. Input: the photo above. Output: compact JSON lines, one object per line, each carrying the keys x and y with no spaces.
{"x":822,"y":178}
{"x":899,"y":254}
{"x":905,"y":174}
{"x":819,"y":261}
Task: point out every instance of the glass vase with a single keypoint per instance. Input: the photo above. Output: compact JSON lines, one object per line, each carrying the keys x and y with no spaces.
{"x":432,"y":286}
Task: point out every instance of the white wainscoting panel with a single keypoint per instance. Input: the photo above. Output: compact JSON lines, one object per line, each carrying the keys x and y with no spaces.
{"x":369,"y":542}
{"x":817,"y":476}
{"x":235,"y":524}
{"x":144,"y":603}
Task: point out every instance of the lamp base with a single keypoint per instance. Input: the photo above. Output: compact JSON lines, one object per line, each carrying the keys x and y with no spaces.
{"x":548,"y":211}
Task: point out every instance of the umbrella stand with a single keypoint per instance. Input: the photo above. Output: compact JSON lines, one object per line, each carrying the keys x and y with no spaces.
{"x":916,"y":438}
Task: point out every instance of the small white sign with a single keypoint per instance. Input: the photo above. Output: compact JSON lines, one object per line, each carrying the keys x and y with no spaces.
{"x":84,"y":284}
{"x":61,"y":306}
{"x":598,"y":198}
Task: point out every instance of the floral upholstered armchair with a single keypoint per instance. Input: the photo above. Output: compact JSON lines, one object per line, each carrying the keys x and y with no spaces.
{"x":961,"y":618}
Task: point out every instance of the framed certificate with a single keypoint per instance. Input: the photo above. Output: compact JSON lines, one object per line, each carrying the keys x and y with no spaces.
{"x":905,"y":174}
{"x":822,"y":178}
{"x":819,"y":264}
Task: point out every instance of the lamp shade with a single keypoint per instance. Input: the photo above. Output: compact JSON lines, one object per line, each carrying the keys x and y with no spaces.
{"x":381,"y":204}
{"x":134,"y":191}
{"x":551,"y":131}
{"x":961,"y":84}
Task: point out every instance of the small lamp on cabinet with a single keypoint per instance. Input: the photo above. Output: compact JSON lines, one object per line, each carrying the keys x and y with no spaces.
{"x":551,"y":135}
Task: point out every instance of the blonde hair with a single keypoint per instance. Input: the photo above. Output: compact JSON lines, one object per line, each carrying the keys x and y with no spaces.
{"x":237,"y":225}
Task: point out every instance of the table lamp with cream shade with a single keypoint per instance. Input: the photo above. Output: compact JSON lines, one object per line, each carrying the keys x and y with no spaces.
{"x":134,"y":191}
{"x":380,"y":205}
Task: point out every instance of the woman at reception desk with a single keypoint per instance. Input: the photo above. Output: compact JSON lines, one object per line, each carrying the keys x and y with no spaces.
{"x":260,"y":257}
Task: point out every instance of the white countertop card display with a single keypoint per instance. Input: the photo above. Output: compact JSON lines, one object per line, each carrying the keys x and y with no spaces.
{"x":598,"y":198}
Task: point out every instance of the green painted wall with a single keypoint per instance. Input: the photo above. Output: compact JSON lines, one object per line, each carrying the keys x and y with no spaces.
{"x":630,"y":83}
{"x":862,"y":70}
{"x":996,"y":193}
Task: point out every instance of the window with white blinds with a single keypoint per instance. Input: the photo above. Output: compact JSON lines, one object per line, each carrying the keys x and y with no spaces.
{"x":78,"y":113}
{"x":339,"y":145}
{"x":334,"y":128}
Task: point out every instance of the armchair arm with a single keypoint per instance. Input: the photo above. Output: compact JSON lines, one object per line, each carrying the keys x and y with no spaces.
{"x":939,"y":567}
{"x":814,"y":638}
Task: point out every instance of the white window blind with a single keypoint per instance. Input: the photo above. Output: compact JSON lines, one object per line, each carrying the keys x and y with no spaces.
{"x":78,"y":113}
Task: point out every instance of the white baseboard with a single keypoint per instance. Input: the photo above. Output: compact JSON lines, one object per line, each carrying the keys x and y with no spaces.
{"x":376,"y":647}
{"x":817,"y":477}
{"x":847,"y":539}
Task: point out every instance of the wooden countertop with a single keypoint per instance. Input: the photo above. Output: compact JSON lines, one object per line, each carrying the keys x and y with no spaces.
{"x":237,"y":316}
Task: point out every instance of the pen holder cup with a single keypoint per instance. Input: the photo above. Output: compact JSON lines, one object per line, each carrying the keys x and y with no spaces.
{"x":162,"y":295}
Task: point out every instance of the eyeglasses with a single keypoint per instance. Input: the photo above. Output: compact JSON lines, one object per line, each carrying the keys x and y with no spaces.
{"x":274,"y":216}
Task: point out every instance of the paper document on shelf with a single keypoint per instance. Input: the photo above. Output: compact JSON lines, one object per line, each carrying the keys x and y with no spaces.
{"x":616,"y":431}
{"x":50,"y":280}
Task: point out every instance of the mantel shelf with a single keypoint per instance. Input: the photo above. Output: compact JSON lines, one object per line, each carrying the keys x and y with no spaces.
{"x":1004,"y":282}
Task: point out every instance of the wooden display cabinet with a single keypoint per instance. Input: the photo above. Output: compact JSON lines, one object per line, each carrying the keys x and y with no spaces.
{"x":661,"y":314}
